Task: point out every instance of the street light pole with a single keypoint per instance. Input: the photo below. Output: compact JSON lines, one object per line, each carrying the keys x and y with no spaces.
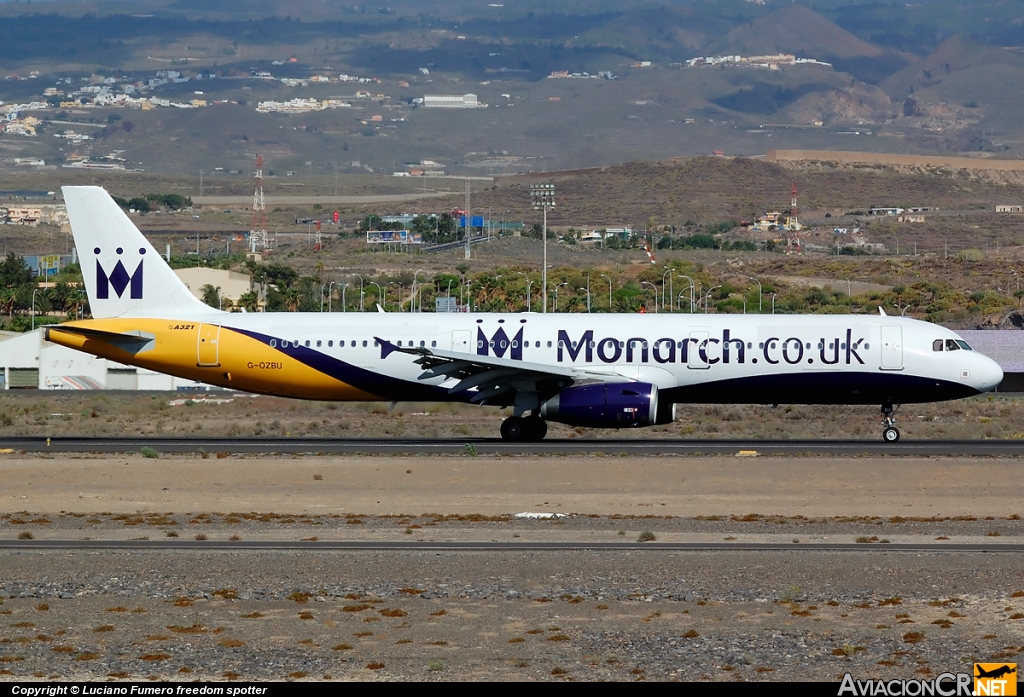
{"x":707,"y":298}
{"x":758,"y":293}
{"x":588,"y":298}
{"x":655,"y":289}
{"x":609,"y":292}
{"x":330,"y":295}
{"x":34,"y":291}
{"x":692,"y":288}
{"x":344,"y":305}
{"x":527,"y":277}
{"x":557,"y":286}
{"x":543,"y":197}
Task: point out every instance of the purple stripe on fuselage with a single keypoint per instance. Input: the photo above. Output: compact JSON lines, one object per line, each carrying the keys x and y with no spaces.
{"x":379,"y":384}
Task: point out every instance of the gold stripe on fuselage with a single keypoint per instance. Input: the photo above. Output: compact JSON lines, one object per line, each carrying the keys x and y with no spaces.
{"x":212,"y":354}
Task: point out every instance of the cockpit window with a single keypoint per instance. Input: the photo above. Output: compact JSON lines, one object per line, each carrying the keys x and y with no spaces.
{"x":937,"y":345}
{"x":951,"y":345}
{"x":963,"y":345}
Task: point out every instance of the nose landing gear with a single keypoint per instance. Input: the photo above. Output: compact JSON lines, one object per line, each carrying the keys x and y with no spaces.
{"x":890,"y":434}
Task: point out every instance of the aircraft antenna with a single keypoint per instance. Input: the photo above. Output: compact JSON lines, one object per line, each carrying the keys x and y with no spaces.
{"x":258,"y":228}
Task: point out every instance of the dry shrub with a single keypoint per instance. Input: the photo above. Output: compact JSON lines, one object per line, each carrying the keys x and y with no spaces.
{"x":155,"y":656}
{"x":194,"y":629}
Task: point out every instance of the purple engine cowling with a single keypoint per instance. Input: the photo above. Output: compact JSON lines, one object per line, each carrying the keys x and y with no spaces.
{"x":608,"y":405}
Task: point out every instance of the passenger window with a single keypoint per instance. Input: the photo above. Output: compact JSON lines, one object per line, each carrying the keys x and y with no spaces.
{"x":423,"y":343}
{"x":549,"y":344}
{"x":307,"y":343}
{"x":273,"y":343}
{"x":354,"y":343}
{"x":479,"y":343}
{"x":399,"y":342}
{"x":951,"y":345}
{"x":433,"y":344}
{"x":374,"y":343}
{"x":318,"y":343}
{"x":561,"y":344}
{"x":937,"y":345}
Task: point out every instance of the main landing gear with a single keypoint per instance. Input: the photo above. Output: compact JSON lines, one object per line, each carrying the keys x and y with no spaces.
{"x":890,"y":434}
{"x":524,"y":429}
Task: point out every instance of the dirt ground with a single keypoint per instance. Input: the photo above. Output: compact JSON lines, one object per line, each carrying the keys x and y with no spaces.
{"x":506,"y":485}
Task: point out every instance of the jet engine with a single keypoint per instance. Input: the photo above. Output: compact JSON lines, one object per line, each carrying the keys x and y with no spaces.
{"x":608,"y":405}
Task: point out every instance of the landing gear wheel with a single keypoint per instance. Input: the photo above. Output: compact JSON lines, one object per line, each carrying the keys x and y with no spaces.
{"x":514,"y":429}
{"x":890,"y":434}
{"x":536,"y":428}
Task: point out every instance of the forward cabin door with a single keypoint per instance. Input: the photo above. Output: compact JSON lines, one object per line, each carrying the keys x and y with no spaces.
{"x":208,"y":346}
{"x":892,"y":347}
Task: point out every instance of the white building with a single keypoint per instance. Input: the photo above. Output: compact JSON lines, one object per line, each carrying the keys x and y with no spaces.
{"x":231,"y":284}
{"x":451,"y":101}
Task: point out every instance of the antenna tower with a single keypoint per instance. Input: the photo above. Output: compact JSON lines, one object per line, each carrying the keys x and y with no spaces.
{"x":258,"y":228}
{"x":793,"y":243}
{"x":469,"y":222}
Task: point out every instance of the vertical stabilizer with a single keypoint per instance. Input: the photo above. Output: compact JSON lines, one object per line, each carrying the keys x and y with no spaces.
{"x":124,"y":275}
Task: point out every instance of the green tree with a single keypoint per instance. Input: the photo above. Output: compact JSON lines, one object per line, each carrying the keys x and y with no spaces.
{"x":210,"y":295}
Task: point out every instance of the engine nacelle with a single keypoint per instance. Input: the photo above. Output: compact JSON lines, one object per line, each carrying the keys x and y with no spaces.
{"x":608,"y":405}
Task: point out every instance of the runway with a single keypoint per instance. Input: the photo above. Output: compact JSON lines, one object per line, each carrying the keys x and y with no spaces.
{"x":495,"y":446}
{"x":476,"y":546}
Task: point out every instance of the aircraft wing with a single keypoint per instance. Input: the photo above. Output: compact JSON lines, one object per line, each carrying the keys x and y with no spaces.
{"x":495,"y":379}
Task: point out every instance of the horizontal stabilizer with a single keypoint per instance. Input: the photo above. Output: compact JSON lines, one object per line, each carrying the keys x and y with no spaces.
{"x":133,"y":342}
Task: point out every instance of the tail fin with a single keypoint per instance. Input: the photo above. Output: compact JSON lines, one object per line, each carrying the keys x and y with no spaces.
{"x":124,"y":274}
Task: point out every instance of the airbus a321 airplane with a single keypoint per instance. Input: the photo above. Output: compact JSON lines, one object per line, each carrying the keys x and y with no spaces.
{"x":590,"y":370}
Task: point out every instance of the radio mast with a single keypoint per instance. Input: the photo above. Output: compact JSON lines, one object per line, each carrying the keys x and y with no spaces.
{"x":258,"y":227}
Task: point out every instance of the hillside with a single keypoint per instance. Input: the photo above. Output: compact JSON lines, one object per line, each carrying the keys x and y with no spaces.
{"x":710,"y":189}
{"x":968,"y":83}
{"x":795,"y":29}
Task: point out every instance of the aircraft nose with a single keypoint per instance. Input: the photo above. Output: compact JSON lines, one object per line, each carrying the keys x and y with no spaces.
{"x":990,"y":374}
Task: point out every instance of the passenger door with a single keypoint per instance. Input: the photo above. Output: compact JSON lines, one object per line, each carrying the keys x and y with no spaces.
{"x":892,"y":347}
{"x":208,"y":345}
